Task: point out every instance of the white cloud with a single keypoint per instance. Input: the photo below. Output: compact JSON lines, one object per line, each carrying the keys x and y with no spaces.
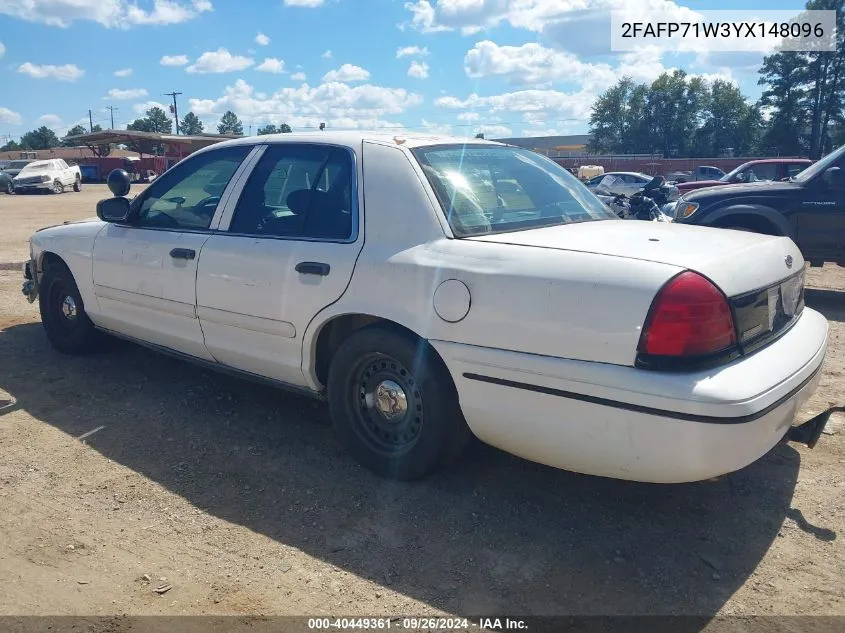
{"x":2,"y":49}
{"x":468,"y":116}
{"x":68,"y":72}
{"x":493,"y":131}
{"x":262,"y":39}
{"x":141,"y":108}
{"x":347,"y":72}
{"x":109,"y":13}
{"x":219,"y":61}
{"x":545,"y":104}
{"x":125,"y":72}
{"x":411,"y":51}
{"x":311,"y":4}
{"x":299,"y":76}
{"x":9,"y":117}
{"x":338,"y":104}
{"x":173,"y":60}
{"x":131,"y":93}
{"x":327,"y":54}
{"x":271,"y":65}
{"x":435,"y":128}
{"x":418,"y":70}
{"x":50,"y":120}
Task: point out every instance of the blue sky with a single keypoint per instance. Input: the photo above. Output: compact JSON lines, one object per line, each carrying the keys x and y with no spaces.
{"x":504,"y":67}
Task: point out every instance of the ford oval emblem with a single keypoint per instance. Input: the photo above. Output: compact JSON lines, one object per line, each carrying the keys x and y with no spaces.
{"x":788,"y":261}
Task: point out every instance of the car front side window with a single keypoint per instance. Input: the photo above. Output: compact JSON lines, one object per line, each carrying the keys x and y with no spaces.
{"x":187,"y":196}
{"x":298,"y":191}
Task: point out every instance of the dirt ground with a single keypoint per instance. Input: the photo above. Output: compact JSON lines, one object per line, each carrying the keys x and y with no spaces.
{"x":125,"y":472}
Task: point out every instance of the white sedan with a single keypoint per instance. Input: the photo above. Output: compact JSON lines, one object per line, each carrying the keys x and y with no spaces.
{"x":431,"y":289}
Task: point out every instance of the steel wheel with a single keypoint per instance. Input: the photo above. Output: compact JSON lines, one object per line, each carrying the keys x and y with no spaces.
{"x":58,"y":187}
{"x":63,"y":313}
{"x":387,"y":405}
{"x":10,"y":188}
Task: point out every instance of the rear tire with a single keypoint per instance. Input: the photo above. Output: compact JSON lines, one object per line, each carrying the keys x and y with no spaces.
{"x":63,"y":315}
{"x":77,"y":185}
{"x":393,"y":404}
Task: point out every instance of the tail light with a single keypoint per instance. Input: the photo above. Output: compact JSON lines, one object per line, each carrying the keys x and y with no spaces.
{"x":690,"y":317}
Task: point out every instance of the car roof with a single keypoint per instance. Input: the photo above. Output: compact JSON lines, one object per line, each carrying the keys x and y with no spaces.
{"x":354,"y":138}
{"x":778,"y":160}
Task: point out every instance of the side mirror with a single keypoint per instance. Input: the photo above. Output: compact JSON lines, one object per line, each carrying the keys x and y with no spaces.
{"x":832,"y":177}
{"x":113,"y":210}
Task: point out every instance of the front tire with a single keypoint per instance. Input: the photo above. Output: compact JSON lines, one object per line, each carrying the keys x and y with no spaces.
{"x":10,"y":188}
{"x":63,"y":315}
{"x":393,"y":404}
{"x":58,"y":187}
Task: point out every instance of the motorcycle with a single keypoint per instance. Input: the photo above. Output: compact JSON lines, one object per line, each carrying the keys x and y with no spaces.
{"x":646,"y":204}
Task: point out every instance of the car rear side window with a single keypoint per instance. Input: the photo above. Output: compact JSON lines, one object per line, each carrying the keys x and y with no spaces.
{"x":187,"y":196}
{"x":299,"y":191}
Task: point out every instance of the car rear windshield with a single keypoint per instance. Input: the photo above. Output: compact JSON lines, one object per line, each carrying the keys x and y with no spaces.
{"x":41,"y":164}
{"x":496,"y":189}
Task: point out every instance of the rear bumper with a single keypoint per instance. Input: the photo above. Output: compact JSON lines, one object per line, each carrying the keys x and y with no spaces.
{"x":639,"y":425}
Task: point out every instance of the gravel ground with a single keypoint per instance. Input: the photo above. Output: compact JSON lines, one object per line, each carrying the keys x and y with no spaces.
{"x":132,"y":483}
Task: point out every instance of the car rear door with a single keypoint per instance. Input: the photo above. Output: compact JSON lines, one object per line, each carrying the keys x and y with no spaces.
{"x":284,"y":252}
{"x":145,"y":270}
{"x":820,"y":227}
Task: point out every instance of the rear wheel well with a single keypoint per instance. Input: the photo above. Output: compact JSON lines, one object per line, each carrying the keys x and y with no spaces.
{"x":334,"y":333}
{"x":756,"y":223}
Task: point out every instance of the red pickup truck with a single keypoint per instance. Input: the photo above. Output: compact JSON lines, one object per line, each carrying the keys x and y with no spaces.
{"x":752,"y":171}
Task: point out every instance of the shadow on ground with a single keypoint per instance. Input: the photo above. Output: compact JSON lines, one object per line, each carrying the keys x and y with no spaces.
{"x":830,"y":303}
{"x":495,"y":534}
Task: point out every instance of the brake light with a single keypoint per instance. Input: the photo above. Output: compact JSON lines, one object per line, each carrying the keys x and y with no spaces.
{"x":689,"y":317}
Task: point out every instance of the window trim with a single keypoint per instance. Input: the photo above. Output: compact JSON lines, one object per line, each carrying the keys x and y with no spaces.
{"x":225,"y":197}
{"x":226,"y":222}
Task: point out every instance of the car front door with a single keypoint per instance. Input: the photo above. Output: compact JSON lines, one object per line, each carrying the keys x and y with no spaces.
{"x":145,"y":270}
{"x":821,"y":217}
{"x":283,"y":253}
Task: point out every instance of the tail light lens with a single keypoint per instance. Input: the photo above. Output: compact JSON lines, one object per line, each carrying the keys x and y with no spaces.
{"x":689,"y":317}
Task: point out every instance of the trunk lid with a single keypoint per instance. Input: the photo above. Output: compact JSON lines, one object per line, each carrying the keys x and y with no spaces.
{"x":738,"y":262}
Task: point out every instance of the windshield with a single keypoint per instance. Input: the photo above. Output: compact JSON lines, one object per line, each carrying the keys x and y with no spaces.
{"x":37,"y":166}
{"x":495,"y":189}
{"x":820,"y":166}
{"x":727,"y":177}
{"x":17,"y":164}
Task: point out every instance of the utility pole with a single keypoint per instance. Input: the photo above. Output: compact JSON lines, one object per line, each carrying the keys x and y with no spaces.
{"x":175,"y":109}
{"x":112,"y":109}
{"x":90,"y":122}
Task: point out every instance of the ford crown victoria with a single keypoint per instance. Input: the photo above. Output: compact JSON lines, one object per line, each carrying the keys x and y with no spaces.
{"x":431,"y":289}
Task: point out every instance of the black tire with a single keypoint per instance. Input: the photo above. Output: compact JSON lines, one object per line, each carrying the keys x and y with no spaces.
{"x":68,"y":328}
{"x":10,"y":188}
{"x":429,"y":434}
{"x":77,"y":185}
{"x":58,"y":187}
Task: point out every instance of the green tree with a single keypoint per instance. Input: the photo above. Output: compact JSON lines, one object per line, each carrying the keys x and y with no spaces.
{"x":480,"y":135}
{"x":785,"y":96}
{"x":76,"y":130}
{"x":139,"y":125}
{"x":610,"y":118}
{"x":267,"y":129}
{"x":230,"y":124}
{"x":156,"y":120}
{"x":191,"y":125}
{"x":11,"y":146}
{"x":41,"y":138}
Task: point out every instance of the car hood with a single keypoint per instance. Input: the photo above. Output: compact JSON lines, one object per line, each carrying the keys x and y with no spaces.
{"x":737,"y":261}
{"x":695,"y":184}
{"x":766,"y":187}
{"x":33,"y":172}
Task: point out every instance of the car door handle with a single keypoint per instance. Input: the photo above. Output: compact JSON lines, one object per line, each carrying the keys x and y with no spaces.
{"x":313,"y":268}
{"x":183,"y":253}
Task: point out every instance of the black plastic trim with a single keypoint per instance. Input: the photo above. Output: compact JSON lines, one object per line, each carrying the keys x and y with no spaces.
{"x":637,"y":408}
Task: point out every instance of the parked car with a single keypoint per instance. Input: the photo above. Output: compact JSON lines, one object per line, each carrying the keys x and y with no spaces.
{"x":703,"y":172}
{"x":753,"y":171}
{"x":625,"y":183}
{"x":809,"y":208}
{"x":52,"y":175}
{"x":377,"y":272}
{"x":7,"y":175}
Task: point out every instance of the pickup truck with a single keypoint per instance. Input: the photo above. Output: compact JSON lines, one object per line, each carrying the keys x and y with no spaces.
{"x":53,"y":175}
{"x":752,"y":171}
{"x":809,"y":208}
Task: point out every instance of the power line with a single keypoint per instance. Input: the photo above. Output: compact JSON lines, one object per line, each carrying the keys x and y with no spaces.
{"x":175,"y":109}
